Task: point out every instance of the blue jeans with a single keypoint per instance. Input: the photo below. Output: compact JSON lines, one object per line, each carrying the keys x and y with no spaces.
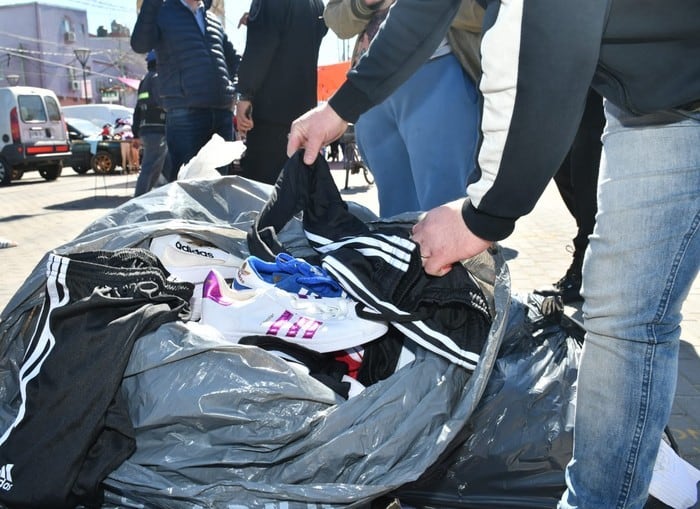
{"x":420,"y":142}
{"x":641,"y":261}
{"x":155,"y":153}
{"x":189,"y":129}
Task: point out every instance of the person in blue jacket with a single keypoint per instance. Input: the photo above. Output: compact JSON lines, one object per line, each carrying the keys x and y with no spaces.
{"x":197,"y":64}
{"x":539,"y":59}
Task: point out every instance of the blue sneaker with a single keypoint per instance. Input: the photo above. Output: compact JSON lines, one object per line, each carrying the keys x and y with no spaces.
{"x":293,"y":275}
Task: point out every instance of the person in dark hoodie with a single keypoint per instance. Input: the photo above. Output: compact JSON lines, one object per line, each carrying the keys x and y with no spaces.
{"x":539,"y":59}
{"x":277,"y":79}
{"x":197,"y":64}
{"x":577,"y":183}
{"x":149,"y":129}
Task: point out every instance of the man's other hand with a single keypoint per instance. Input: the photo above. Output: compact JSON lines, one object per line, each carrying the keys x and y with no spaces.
{"x":444,"y":239}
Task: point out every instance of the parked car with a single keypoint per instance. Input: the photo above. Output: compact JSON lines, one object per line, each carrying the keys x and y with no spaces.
{"x":100,"y":114}
{"x":89,"y":149}
{"x":33,"y":134}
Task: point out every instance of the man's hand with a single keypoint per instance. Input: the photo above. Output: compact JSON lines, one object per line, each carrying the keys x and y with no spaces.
{"x":313,"y":130}
{"x":136,"y":143}
{"x":444,"y":238}
{"x":244,"y":116}
{"x":243,"y":20}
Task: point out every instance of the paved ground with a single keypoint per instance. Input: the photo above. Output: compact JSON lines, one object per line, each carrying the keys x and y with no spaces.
{"x":41,"y":215}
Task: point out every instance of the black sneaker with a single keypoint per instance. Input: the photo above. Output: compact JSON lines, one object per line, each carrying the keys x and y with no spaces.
{"x":569,"y":287}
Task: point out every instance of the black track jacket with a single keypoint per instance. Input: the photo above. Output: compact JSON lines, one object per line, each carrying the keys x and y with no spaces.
{"x":539,"y":58}
{"x":278,"y":72}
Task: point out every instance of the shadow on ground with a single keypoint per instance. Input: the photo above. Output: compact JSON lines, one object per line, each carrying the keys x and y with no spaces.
{"x":93,"y":202}
{"x":16,"y":217}
{"x":355,"y":189}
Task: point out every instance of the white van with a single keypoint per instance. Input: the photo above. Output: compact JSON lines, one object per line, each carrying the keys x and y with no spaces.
{"x":100,"y":114}
{"x":33,"y":134}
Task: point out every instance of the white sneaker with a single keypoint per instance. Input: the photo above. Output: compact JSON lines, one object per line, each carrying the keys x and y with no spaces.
{"x":190,"y":259}
{"x":7,"y":243}
{"x":324,"y":325}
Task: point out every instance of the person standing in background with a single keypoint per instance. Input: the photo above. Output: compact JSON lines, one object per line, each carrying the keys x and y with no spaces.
{"x":420,"y":141}
{"x":197,"y":65}
{"x":277,"y":79}
{"x":149,"y":129}
{"x":130,"y":155}
{"x":577,"y":182}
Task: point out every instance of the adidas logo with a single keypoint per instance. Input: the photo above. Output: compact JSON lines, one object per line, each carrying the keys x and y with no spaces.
{"x":243,"y":273}
{"x":187,"y":249}
{"x":6,"y":477}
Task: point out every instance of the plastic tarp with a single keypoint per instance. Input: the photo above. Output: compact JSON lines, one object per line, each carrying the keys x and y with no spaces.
{"x":227,"y":425}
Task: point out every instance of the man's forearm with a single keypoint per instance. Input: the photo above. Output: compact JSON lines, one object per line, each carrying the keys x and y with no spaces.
{"x":347,"y":18}
{"x":410,"y":34}
{"x":145,"y":33}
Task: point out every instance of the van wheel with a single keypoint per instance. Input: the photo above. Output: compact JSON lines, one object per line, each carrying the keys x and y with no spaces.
{"x":103,"y":163}
{"x":51,"y":172}
{"x":5,"y":173}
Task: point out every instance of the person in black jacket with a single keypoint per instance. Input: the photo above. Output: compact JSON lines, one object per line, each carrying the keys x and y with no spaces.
{"x":197,"y":65}
{"x":149,"y":129}
{"x":277,"y":79}
{"x":539,"y":59}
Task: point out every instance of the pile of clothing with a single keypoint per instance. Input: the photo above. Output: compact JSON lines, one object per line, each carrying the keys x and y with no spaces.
{"x":222,"y":341}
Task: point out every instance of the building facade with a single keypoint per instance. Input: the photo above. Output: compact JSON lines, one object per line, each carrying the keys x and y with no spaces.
{"x":37,"y":48}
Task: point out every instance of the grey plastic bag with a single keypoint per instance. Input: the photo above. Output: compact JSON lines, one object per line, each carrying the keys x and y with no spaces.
{"x":221,"y":425}
{"x":517,"y":443}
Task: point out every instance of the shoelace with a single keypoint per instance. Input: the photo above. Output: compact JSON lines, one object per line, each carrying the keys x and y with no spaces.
{"x":306,"y":274}
{"x":334,"y":308}
{"x":292,"y":265}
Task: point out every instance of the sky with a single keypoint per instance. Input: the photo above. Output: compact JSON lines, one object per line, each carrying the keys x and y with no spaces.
{"x":103,"y":12}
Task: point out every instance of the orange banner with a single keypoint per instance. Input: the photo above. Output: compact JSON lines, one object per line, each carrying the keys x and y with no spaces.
{"x":330,"y":77}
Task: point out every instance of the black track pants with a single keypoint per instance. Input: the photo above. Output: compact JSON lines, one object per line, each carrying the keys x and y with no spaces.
{"x":72,"y":428}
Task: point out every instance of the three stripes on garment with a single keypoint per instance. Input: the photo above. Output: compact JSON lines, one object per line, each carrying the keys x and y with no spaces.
{"x":42,"y":341}
{"x":396,"y":252}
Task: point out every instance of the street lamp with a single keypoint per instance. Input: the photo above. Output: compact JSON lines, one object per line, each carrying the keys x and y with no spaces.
{"x":82,"y":54}
{"x":12,"y":79}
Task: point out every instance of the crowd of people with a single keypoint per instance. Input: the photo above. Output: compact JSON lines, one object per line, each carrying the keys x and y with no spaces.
{"x":466,"y":110}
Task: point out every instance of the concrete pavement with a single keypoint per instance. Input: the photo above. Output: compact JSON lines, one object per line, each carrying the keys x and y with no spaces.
{"x":40,"y":216}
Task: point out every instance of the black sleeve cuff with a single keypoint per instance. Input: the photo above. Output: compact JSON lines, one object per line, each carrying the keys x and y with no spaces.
{"x":485,"y":226}
{"x":349,"y":102}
